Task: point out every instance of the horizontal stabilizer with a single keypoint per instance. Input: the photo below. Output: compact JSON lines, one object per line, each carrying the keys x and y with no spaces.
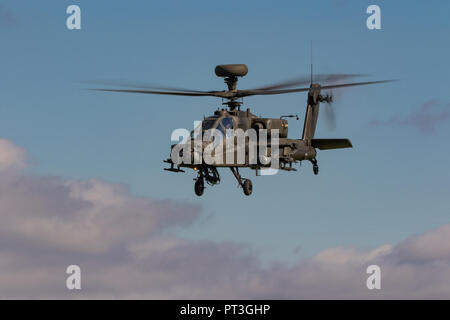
{"x":327,"y":144}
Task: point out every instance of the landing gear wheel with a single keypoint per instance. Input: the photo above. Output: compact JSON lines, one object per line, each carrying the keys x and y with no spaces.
{"x":199,"y":187}
{"x":247,"y":186}
{"x":316,"y":169}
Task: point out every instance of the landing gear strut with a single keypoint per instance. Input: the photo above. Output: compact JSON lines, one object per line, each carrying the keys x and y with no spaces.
{"x":315,"y":166}
{"x":246,"y":184}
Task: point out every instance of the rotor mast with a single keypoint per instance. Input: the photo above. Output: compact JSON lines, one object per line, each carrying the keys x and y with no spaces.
{"x":230,"y":73}
{"x":232,"y":103}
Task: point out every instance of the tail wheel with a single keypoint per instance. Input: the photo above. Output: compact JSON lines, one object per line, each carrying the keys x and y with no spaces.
{"x":316,"y":169}
{"x":248,"y":187}
{"x":199,"y":187}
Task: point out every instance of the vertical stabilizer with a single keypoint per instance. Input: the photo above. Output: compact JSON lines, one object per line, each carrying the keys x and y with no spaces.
{"x":312,"y":112}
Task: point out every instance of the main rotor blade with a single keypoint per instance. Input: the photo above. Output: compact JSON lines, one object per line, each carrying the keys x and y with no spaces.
{"x":245,"y":93}
{"x":355,"y":84}
{"x":237,"y":93}
{"x":140,"y":85}
{"x":174,"y":93}
{"x":306,"y":80}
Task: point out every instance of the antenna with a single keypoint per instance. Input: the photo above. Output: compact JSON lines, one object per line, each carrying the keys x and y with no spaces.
{"x":311,"y":57}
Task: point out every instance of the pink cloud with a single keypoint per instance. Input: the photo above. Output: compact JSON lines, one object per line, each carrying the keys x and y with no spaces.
{"x":126,"y":248}
{"x":12,"y":157}
{"x":426,"y":118}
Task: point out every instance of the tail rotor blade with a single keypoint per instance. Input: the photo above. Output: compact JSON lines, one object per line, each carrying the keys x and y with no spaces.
{"x":330,"y":117}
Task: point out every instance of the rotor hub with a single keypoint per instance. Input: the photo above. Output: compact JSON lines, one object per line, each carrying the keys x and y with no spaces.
{"x":230,"y":73}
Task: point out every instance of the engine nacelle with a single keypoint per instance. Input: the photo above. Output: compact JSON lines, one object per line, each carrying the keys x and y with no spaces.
{"x":270,"y":124}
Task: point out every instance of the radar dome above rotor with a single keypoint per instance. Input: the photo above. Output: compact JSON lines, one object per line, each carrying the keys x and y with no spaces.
{"x":231,"y":70}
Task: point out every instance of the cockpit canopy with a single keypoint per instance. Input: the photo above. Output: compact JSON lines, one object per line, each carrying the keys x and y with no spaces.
{"x":209,"y":123}
{"x":223,"y":124}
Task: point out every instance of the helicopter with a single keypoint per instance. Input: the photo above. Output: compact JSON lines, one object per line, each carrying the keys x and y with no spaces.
{"x":232,"y":119}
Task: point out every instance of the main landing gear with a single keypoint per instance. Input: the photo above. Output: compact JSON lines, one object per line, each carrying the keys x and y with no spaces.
{"x":246,"y":184}
{"x":315,"y":166}
{"x":199,"y":186}
{"x":210,"y":174}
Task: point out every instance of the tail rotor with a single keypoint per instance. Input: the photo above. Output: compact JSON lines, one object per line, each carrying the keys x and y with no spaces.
{"x":330,"y":114}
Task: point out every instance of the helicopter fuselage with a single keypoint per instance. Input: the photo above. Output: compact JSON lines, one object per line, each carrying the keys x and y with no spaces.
{"x":228,"y":123}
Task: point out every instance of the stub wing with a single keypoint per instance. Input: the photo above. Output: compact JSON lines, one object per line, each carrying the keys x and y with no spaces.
{"x":328,"y":144}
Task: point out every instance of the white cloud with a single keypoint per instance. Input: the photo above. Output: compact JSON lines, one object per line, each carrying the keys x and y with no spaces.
{"x":432,"y":245}
{"x":12,"y":157}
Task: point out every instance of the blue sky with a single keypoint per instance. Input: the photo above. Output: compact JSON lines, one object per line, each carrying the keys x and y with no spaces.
{"x":392,"y":184}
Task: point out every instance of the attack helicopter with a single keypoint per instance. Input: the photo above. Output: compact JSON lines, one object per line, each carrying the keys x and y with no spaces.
{"x":289,"y":151}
